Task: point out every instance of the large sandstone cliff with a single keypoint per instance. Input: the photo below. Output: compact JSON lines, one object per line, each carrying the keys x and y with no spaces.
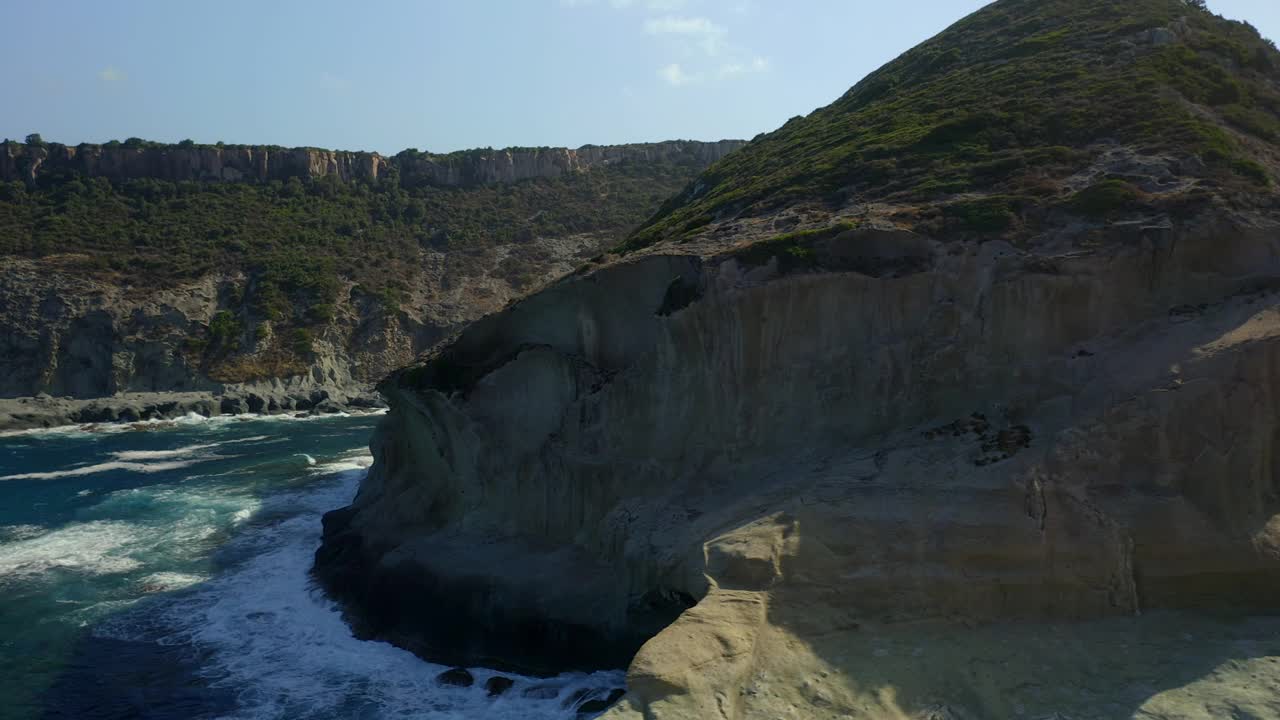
{"x":923,"y":430}
{"x":233,"y":163}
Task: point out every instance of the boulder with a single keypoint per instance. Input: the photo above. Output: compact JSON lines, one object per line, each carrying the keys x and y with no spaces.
{"x":457,"y":677}
{"x":498,"y":685}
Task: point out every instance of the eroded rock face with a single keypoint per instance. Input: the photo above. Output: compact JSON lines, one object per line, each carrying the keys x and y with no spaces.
{"x":926,"y":431}
{"x":69,"y":335}
{"x":236,"y":163}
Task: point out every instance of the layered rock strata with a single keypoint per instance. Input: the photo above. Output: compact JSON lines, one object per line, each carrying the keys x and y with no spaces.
{"x":714,"y":460}
{"x":257,"y":163}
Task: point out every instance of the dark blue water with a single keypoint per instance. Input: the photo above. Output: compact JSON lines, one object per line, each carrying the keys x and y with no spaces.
{"x":160,"y":571}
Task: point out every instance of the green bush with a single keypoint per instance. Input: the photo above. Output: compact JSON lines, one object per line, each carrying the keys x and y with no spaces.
{"x":794,"y":250}
{"x":1105,"y":198}
{"x":301,"y":341}
{"x":321,"y":312}
{"x":1252,"y":170}
{"x":1259,"y":123}
{"x":224,"y":331}
{"x":986,"y":215}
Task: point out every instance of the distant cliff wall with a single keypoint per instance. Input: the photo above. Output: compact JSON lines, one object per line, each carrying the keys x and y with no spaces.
{"x":257,"y":163}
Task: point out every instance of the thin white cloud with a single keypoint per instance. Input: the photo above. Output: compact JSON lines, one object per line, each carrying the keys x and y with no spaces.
{"x":111,"y":74}
{"x":757,"y":65}
{"x":681,"y":25}
{"x":706,"y":34}
{"x":700,"y":45}
{"x":676,"y":76}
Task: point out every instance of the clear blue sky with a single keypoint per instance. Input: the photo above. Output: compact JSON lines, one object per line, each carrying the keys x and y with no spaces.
{"x":443,"y":75}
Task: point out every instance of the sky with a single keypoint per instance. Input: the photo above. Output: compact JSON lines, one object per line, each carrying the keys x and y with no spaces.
{"x":443,"y":75}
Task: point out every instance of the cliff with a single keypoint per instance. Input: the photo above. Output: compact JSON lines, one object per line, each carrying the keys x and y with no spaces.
{"x":256,"y":163}
{"x":119,"y":276}
{"x":874,"y":451}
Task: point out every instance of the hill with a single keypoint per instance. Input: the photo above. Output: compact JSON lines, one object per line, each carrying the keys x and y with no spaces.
{"x":1016,"y":116}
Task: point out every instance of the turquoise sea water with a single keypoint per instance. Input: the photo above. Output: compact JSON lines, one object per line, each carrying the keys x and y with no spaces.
{"x":159,"y":571}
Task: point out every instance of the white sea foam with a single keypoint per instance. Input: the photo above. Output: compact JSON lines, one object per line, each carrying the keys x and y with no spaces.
{"x":180,"y":523}
{"x":14,"y":533}
{"x":269,"y":634}
{"x":163,"y":581}
{"x":134,"y":455}
{"x":357,"y":460}
{"x":92,"y":613}
{"x":104,"y":467}
{"x":310,"y":460}
{"x":92,"y":429}
{"x":187,"y":451}
{"x":143,"y":461}
{"x":95,"y":548}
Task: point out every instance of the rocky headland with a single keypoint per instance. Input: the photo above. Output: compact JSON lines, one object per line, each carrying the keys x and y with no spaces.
{"x":944,"y":402}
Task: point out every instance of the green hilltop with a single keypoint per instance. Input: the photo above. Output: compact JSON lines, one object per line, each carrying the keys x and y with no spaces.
{"x":975,"y":130}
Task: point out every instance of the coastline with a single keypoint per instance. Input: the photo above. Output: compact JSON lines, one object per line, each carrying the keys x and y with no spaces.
{"x":47,"y":412}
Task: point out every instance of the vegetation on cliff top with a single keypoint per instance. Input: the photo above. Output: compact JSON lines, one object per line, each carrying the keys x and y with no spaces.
{"x":975,"y":129}
{"x":299,"y":242}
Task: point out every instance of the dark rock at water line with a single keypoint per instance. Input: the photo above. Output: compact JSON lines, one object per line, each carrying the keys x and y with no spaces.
{"x":207,"y":408}
{"x":97,"y":414}
{"x":326,"y":407}
{"x":367,"y":401}
{"x":457,"y":677}
{"x":497,"y":685}
{"x":382,"y":601}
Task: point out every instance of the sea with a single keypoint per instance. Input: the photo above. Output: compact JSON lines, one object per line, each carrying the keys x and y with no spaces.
{"x":159,"y":571}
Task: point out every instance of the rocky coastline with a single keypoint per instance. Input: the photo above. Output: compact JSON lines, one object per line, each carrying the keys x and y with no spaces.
{"x":46,"y":411}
